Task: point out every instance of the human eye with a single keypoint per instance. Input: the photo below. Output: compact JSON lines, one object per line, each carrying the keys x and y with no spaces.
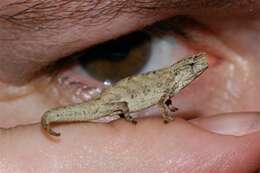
{"x":81,"y":76}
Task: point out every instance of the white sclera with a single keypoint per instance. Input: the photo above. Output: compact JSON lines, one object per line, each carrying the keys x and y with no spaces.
{"x":164,"y":52}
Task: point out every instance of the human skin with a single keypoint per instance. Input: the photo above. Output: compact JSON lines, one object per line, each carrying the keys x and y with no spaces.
{"x":222,"y":137}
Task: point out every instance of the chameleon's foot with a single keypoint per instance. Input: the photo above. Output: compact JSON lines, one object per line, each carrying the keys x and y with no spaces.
{"x":168,"y":118}
{"x":128,"y":118}
{"x":53,"y":133}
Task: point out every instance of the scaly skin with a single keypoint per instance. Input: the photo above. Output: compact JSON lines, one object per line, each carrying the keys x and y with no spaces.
{"x":133,"y":94}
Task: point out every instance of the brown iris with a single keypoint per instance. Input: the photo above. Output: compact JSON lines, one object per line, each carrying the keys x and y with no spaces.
{"x":116,"y":59}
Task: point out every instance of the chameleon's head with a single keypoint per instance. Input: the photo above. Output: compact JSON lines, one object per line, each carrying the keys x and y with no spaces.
{"x":186,"y":70}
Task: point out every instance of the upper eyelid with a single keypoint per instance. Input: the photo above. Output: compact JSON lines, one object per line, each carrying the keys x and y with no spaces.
{"x":45,"y":14}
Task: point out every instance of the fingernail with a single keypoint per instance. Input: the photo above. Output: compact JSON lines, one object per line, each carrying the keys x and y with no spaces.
{"x":237,"y":124}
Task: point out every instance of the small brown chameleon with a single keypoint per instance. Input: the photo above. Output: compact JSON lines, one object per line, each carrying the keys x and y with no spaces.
{"x":133,"y":94}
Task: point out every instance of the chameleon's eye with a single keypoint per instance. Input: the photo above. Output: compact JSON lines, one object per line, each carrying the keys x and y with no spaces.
{"x":118,"y":58}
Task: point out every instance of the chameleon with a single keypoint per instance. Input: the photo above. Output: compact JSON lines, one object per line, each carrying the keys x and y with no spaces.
{"x":133,"y":94}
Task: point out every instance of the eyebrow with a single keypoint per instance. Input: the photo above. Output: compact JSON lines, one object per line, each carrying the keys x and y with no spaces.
{"x":48,"y":13}
{"x":55,"y":14}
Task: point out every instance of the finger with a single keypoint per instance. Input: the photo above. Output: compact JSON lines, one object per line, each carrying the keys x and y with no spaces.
{"x":150,"y":146}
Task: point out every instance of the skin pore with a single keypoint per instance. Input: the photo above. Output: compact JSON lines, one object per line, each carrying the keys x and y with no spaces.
{"x":222,"y":137}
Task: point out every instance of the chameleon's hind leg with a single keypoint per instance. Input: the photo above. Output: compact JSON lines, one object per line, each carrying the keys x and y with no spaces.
{"x":126,"y":114}
{"x":165,"y":104}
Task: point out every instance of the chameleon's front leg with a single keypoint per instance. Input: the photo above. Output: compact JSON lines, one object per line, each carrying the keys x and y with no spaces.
{"x":165,"y":104}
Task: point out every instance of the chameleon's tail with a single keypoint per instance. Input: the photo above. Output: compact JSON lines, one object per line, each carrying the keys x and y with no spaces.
{"x":46,"y":125}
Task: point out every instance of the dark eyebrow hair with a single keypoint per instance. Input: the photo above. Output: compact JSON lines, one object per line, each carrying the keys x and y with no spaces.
{"x":50,"y":13}
{"x":53,"y":14}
